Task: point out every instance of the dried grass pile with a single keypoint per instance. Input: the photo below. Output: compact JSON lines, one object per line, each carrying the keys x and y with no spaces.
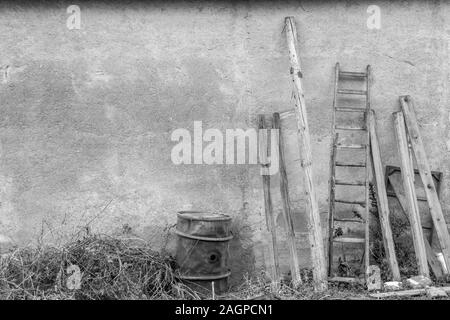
{"x":95,"y":267}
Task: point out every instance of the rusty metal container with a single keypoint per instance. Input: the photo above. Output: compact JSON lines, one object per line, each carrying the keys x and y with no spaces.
{"x":203,"y":249}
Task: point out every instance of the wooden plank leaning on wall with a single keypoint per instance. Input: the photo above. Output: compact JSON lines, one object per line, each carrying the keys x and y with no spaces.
{"x":410,"y":193}
{"x":287,"y":212}
{"x":383,"y":206}
{"x":268,"y":208}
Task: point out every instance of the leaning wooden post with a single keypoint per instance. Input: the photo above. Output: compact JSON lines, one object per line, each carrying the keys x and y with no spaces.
{"x":314,"y":225}
{"x":383,"y":205}
{"x":263,"y":148}
{"x":410,"y":193}
{"x":427,"y":179}
{"x":284,"y":190}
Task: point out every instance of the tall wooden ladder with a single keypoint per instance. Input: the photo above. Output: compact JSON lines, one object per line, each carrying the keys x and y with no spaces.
{"x":337,"y":147}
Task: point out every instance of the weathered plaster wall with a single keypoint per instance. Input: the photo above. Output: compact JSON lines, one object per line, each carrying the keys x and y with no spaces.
{"x":86,"y":115}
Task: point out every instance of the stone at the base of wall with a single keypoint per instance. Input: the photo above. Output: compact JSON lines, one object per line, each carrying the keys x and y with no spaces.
{"x":418,"y":282}
{"x":434,"y":292}
{"x":393,"y":285}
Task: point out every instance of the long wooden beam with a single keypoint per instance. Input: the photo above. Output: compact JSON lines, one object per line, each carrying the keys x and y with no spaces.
{"x":315,"y":228}
{"x":410,"y":193}
{"x":331,"y":202}
{"x":382,"y":199}
{"x":427,"y":179}
{"x":405,"y":293}
{"x":287,"y":212}
{"x":270,"y":220}
{"x":367,"y":177}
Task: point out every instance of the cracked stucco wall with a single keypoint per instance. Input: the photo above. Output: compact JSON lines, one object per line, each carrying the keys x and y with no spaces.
{"x":86,"y":115}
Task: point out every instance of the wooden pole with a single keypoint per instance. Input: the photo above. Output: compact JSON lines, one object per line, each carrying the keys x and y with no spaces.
{"x":410,"y":193}
{"x":331,"y":203}
{"x":367,"y":176}
{"x":270,"y":221}
{"x":433,"y":262}
{"x":287,"y":212}
{"x":332,"y":181}
{"x":315,"y":229}
{"x":427,"y":179}
{"x":383,"y":206}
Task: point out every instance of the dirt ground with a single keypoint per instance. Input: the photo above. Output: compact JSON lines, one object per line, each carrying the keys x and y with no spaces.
{"x":255,"y":290}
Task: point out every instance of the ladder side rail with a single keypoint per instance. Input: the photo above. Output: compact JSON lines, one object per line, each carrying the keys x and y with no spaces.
{"x":367,"y":173}
{"x":332,"y":184}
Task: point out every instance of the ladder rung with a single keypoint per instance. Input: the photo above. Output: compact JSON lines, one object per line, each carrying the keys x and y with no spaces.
{"x":350,"y":91}
{"x":350,"y":128}
{"x":349,"y":240}
{"x":353,"y":183}
{"x":348,"y":220}
{"x":287,"y":113}
{"x":348,"y":74}
{"x":345,"y":279}
{"x":361,"y":203}
{"x":346,"y":164}
{"x":350,"y":109}
{"x":392,"y":194}
{"x":351,"y":146}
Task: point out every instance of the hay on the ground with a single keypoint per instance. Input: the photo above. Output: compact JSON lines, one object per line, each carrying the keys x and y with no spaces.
{"x":110,"y":268}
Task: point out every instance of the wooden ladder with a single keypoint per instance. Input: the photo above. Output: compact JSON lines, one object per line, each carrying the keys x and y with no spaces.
{"x":334,"y":163}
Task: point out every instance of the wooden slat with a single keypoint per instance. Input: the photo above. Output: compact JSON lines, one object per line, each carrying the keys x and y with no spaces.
{"x":349,"y":74}
{"x":350,"y":109}
{"x":427,"y":179}
{"x":437,"y":175}
{"x":348,"y":220}
{"x":332,"y":180}
{"x":419,"y":198}
{"x":350,"y":183}
{"x":270,"y":220}
{"x":349,"y":164}
{"x":405,"y":293}
{"x":349,"y":91}
{"x":361,"y":203}
{"x":349,"y":240}
{"x":383,"y":206}
{"x":437,"y":178}
{"x":350,"y":128}
{"x":431,"y":257}
{"x":346,"y":280}
{"x":287,"y":212}
{"x":316,"y":240}
{"x":351,"y":146}
{"x":410,"y":193}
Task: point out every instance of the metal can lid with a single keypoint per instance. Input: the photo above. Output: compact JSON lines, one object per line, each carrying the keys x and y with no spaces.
{"x":203,"y":216}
